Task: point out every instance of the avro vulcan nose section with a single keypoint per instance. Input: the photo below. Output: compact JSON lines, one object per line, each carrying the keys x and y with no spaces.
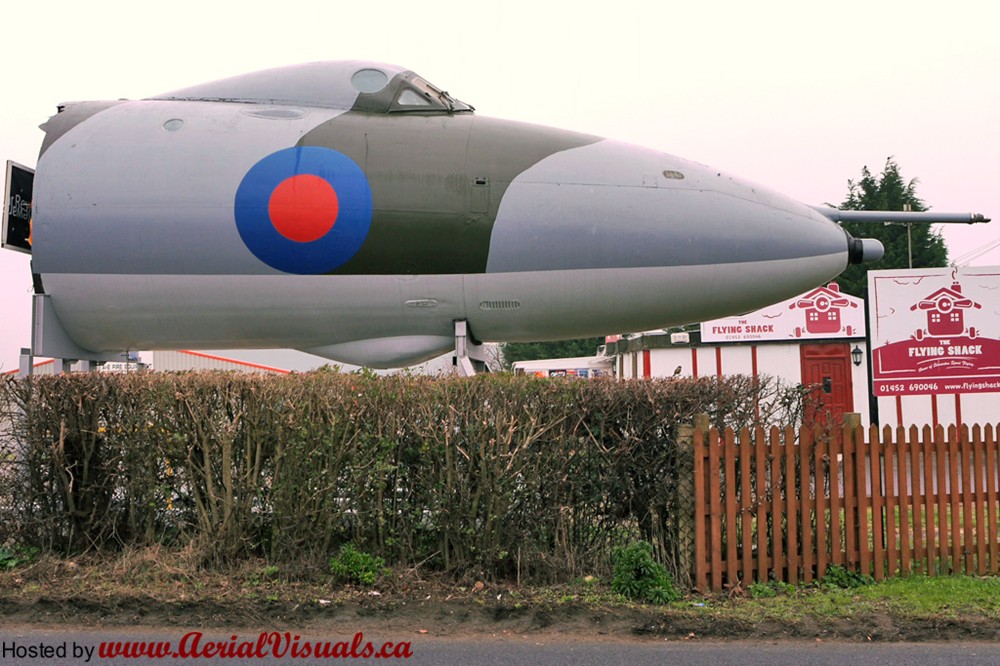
{"x":355,"y":210}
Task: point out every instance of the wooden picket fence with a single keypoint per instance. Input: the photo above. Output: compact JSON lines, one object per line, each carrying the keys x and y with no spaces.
{"x":781,"y":505}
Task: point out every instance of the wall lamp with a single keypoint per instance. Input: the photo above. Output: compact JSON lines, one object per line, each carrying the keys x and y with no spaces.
{"x":856,"y":355}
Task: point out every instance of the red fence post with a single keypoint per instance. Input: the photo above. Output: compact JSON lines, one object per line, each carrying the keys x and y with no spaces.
{"x":876,"y":493}
{"x":791,"y":516}
{"x":715,"y":508}
{"x":700,"y":494}
{"x":732,"y":541}
{"x":837,"y":546}
{"x":806,"y":486}
{"x":909,"y":508}
{"x":764,"y":561}
{"x":891,"y":459}
{"x":746,"y":506}
{"x":823,"y":463}
{"x":777,"y":549}
{"x":992,"y":440}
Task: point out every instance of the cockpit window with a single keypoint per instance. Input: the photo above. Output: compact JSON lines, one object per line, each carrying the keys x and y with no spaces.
{"x":411,"y":98}
{"x":378,"y":90}
{"x":369,"y":80}
{"x":418,"y":95}
{"x":350,"y":84}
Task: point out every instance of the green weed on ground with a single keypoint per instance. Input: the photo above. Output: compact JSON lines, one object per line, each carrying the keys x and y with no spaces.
{"x":356,"y":566}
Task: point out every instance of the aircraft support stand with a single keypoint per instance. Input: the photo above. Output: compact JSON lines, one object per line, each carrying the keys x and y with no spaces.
{"x":470,"y":358}
{"x":49,"y":338}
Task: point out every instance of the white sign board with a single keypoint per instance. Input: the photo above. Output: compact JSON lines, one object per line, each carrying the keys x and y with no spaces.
{"x":935,"y":330}
{"x":821,"y":313}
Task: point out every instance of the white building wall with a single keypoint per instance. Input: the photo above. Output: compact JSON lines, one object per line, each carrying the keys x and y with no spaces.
{"x":168,"y":361}
{"x":920,"y":410}
{"x":663,"y":362}
{"x":859,"y":378}
{"x":707,"y":363}
{"x":782,"y":361}
{"x":278,"y":360}
{"x":735,"y":360}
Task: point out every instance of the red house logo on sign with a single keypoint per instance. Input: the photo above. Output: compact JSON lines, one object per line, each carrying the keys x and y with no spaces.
{"x":822,"y":307}
{"x":945,"y":316}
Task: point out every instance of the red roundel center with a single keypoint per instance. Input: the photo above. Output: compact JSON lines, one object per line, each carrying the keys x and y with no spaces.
{"x":303,"y":208}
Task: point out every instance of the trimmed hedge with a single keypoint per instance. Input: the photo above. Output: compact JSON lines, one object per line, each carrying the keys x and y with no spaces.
{"x":500,"y":476}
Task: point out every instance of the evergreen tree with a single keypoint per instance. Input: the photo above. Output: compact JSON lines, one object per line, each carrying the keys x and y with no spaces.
{"x":889,"y":191}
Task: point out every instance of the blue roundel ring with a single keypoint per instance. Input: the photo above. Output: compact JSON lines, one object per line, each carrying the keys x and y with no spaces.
{"x":327,"y":252}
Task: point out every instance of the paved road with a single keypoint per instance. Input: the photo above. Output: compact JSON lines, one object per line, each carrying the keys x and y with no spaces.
{"x":21,"y":644}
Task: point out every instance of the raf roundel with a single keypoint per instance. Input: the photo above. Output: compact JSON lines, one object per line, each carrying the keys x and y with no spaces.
{"x":304,"y":210}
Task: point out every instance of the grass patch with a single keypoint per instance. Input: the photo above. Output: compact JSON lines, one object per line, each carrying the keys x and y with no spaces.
{"x":942,"y":596}
{"x":916,"y":597}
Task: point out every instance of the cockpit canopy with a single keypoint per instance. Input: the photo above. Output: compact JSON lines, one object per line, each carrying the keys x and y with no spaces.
{"x":350,"y":85}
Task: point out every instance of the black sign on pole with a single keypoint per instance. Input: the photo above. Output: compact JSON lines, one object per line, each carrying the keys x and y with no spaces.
{"x":17,"y":208}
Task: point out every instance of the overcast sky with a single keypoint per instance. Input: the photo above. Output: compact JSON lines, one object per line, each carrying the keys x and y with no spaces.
{"x":786,"y":94}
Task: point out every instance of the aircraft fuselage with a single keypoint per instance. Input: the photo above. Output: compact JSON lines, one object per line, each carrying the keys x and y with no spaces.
{"x":199,"y":219}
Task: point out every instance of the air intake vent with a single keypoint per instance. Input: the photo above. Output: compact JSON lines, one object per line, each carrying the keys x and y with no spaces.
{"x":499,"y":305}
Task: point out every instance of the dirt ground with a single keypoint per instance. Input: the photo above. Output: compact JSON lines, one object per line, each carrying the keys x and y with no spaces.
{"x":147,"y":590}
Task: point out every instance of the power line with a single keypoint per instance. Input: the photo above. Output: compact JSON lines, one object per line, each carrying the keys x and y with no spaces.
{"x":972,"y":255}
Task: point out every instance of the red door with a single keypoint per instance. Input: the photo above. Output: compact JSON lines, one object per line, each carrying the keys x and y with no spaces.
{"x":827,"y":370}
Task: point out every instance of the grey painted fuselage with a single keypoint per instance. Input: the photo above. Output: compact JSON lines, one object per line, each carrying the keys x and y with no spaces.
{"x":150,"y":231}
